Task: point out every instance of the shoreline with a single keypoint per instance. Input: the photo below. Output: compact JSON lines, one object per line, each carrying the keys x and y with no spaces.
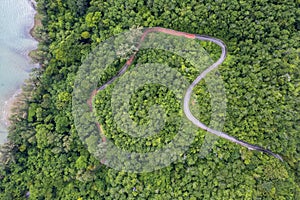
{"x":9,"y":105}
{"x":12,"y":102}
{"x":32,"y":32}
{"x":36,"y":23}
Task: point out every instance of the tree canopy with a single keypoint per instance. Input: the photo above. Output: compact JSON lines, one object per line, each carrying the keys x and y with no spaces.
{"x":47,"y":157}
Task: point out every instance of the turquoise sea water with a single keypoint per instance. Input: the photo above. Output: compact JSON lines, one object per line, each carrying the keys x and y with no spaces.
{"x":16,"y":20}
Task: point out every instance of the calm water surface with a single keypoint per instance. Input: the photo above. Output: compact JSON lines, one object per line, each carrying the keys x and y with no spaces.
{"x":16,"y":20}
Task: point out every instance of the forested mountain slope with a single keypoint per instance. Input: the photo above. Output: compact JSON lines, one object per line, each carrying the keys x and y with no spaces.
{"x":260,"y":75}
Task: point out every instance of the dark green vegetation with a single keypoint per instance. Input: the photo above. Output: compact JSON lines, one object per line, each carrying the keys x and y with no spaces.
{"x":261,"y":77}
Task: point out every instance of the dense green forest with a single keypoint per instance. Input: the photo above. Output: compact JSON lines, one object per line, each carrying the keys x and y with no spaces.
{"x":48,"y":157}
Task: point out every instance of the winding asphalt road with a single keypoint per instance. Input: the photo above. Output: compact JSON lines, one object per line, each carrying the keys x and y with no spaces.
{"x":189,"y":91}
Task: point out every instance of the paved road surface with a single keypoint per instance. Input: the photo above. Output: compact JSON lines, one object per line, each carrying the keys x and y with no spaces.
{"x":189,"y":91}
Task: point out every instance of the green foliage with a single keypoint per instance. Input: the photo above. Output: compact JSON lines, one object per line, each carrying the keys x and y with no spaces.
{"x":261,"y":77}
{"x":85,"y":35}
{"x":32,"y":111}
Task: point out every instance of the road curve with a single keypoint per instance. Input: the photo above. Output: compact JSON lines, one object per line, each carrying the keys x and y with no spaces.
{"x":189,"y":91}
